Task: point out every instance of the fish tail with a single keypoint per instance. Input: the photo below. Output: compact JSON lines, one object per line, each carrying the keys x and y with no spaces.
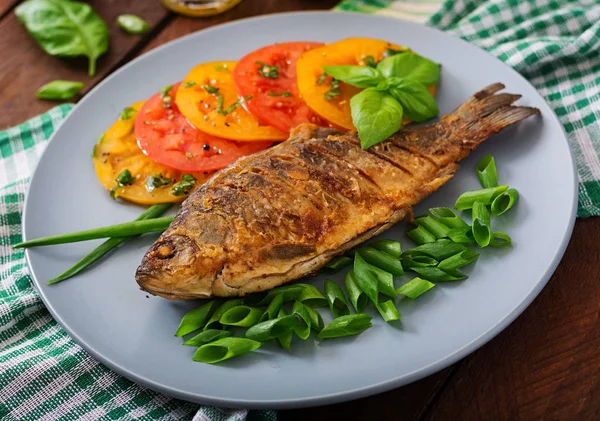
{"x":485,"y":113}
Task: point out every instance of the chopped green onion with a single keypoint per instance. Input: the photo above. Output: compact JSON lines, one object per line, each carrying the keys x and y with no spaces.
{"x":385,"y":281}
{"x":224,"y":349}
{"x":461,"y":235}
{"x":448,"y":217}
{"x":242,"y":316}
{"x":272,"y":329}
{"x":439,"y":250}
{"x":391,"y":247}
{"x":388,"y":311}
{"x":420,"y":235}
{"x":418,"y":261}
{"x":365,"y":278}
{"x":285,"y":339}
{"x":485,"y":196}
{"x":197,"y":318}
{"x":459,"y":260}
{"x":213,"y":322}
{"x":358,"y":298}
{"x":414,"y":288}
{"x":303,"y":328}
{"x":349,"y":325}
{"x":481,"y":224}
{"x":500,"y":239}
{"x":119,"y":230}
{"x":207,"y":336}
{"x":504,"y":202}
{"x":306,"y":293}
{"x":438,"y":275}
{"x":316,"y":321}
{"x":438,"y":229}
{"x":336,"y":299}
{"x":336,"y":264}
{"x":486,"y":171}
{"x":381,"y":260}
{"x":273,"y":309}
{"x":110,"y":244}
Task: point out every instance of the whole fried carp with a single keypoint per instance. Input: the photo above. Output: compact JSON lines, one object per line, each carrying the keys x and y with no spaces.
{"x":283,"y":213}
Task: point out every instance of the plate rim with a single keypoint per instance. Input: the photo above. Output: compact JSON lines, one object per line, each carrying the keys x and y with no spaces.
{"x":346,"y":395}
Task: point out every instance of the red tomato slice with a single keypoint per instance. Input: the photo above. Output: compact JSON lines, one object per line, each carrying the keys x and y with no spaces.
{"x":274,"y":90}
{"x":167,"y":137}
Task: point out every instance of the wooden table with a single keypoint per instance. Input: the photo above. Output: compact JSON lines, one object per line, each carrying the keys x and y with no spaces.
{"x":546,"y":365}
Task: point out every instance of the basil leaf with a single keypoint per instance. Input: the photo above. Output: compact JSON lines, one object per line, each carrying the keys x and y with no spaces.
{"x":58,"y":90}
{"x":376,"y":115}
{"x":411,"y":66}
{"x":359,"y":76}
{"x":65,"y":28}
{"x":417,"y":102}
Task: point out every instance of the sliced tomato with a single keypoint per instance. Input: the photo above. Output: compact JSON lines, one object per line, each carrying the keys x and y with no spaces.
{"x":118,"y":151}
{"x":313,"y":86}
{"x":208,"y":98}
{"x":166,"y":136}
{"x":268,"y":75}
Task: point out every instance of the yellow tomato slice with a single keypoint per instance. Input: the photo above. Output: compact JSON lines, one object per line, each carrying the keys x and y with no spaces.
{"x":200,"y":106}
{"x":351,"y":51}
{"x":118,"y":150}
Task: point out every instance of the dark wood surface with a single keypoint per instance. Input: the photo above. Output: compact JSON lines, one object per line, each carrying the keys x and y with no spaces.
{"x":546,"y":365}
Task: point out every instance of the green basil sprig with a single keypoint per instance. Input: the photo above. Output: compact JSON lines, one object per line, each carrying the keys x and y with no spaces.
{"x":397,"y":87}
{"x":59,"y":90}
{"x":65,"y":28}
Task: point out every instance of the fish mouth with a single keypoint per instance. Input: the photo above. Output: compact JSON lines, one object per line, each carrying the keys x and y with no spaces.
{"x":170,"y":269}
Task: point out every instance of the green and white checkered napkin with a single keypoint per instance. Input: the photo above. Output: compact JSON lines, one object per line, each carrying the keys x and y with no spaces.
{"x":44,"y":374}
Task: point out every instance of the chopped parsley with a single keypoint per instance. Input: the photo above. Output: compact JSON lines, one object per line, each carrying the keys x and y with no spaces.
{"x":211,"y":89}
{"x":157,"y":180}
{"x":334,"y":90}
{"x":267,"y":71}
{"x":220,"y":98}
{"x":185,"y":185}
{"x":127,"y":113}
{"x":189,"y":84}
{"x":123,"y":179}
{"x":285,"y":94}
{"x":321,"y":80}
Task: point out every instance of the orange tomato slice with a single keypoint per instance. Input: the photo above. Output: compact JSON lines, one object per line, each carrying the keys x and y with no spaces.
{"x":201,"y":106}
{"x":118,"y":150}
{"x":351,"y":51}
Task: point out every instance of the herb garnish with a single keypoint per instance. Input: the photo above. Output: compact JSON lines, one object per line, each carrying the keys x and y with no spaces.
{"x":285,"y":94}
{"x":157,"y":180}
{"x":189,"y":84}
{"x":133,"y":24}
{"x":184,"y":186}
{"x":321,"y":79}
{"x":334,"y":90}
{"x":267,"y":71}
{"x":220,"y":98}
{"x":123,"y":179}
{"x":127,"y":113}
{"x":222,"y":68}
{"x":370,"y":61}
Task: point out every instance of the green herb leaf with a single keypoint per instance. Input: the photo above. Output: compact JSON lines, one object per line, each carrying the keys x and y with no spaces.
{"x":211,"y":89}
{"x":376,"y":115}
{"x":410,"y":66}
{"x":233,"y":106}
{"x":59,"y":90}
{"x":133,"y":24}
{"x":370,"y":61}
{"x":359,"y":76}
{"x":267,"y":71}
{"x":189,"y":84}
{"x":157,"y":180}
{"x":185,"y":185}
{"x":164,"y":91}
{"x":123,"y":179}
{"x":127,"y":113}
{"x":417,"y":102}
{"x":391,"y":52}
{"x":321,"y":80}
{"x":65,"y":28}
{"x":334,"y":90}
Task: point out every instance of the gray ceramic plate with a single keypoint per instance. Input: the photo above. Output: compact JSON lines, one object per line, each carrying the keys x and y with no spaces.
{"x":106,"y":313}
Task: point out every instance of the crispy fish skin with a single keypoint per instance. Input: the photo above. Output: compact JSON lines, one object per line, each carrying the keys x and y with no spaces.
{"x":283,"y":213}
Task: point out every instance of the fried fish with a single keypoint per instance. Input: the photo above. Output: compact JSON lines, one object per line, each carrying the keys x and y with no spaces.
{"x":283,"y":213}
